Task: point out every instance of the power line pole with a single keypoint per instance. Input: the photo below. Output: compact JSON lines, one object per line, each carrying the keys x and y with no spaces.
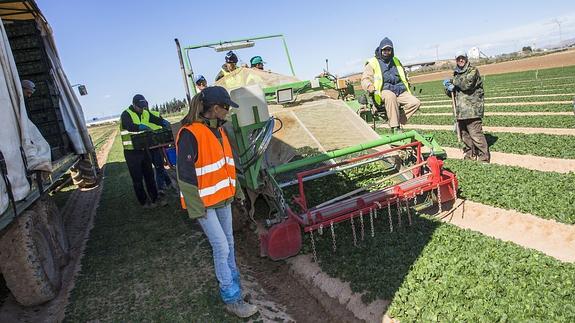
{"x":558,"y":22}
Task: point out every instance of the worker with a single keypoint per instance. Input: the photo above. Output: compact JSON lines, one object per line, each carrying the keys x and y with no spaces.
{"x":229,"y":66}
{"x":133,"y":120}
{"x":207,"y":180}
{"x":467,"y":86}
{"x":200,"y":82}
{"x":163,"y":181}
{"x":384,"y":79}
{"x":28,"y":88}
{"x":257,"y":62}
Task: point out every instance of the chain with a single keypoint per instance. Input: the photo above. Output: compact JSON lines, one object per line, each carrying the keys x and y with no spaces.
{"x":320,"y":229}
{"x":313,"y":246}
{"x":398,"y":204}
{"x":439,"y":198}
{"x":361,"y":222}
{"x":408,"y":211}
{"x":353,"y":231}
{"x":454,"y":189}
{"x":332,"y":236}
{"x":389,"y":215}
{"x":378,"y":208}
{"x":371,"y":222}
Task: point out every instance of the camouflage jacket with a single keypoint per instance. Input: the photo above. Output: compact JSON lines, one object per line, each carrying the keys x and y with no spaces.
{"x":468,"y":92}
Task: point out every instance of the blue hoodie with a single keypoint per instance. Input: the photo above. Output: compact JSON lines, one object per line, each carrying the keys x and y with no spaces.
{"x":391,"y":80}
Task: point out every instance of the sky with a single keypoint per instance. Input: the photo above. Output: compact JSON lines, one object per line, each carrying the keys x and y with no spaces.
{"x":121,"y":48}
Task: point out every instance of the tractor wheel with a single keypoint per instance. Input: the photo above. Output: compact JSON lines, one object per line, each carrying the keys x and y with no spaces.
{"x":83,"y":174}
{"x":53,"y":220}
{"x":27,"y":260}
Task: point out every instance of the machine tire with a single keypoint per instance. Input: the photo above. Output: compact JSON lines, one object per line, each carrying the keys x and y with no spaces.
{"x":83,"y":174}
{"x":52,"y":218}
{"x":26,"y":260}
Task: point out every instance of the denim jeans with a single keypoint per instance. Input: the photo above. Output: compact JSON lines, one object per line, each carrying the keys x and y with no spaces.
{"x":217,"y":225}
{"x":162,"y":177}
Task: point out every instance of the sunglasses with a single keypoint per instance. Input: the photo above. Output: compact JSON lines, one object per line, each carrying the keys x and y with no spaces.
{"x":224,"y":106}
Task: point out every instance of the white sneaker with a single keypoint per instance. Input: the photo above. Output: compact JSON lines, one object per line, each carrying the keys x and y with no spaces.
{"x":242,"y":309}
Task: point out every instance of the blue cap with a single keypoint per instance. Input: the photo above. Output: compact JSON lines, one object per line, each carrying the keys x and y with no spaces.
{"x":216,"y":95}
{"x":140,"y":101}
{"x":231,"y":57}
{"x":198,"y":78}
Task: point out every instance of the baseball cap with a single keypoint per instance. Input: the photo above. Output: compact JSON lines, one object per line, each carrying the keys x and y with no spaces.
{"x":198,"y":78}
{"x":256,"y":60}
{"x":215,"y":95}
{"x":27,"y":84}
{"x":140,"y":101}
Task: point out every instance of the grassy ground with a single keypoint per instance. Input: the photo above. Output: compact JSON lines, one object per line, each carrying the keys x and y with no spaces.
{"x":143,"y":265}
{"x":503,"y":121}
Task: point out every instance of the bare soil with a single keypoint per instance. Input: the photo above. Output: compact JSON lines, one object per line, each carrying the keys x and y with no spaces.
{"x":78,"y":215}
{"x":545,"y":164}
{"x":562,"y":59}
{"x":548,"y":131}
{"x":550,"y":237}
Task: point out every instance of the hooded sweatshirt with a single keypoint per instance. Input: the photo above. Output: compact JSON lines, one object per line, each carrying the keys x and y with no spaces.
{"x":391,"y":80}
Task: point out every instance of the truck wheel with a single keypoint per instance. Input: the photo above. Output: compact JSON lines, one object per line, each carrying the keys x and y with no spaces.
{"x":27,"y":260}
{"x":83,"y":174}
{"x":53,"y":220}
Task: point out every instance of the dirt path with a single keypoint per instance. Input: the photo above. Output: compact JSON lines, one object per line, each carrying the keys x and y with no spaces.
{"x":519,"y":114}
{"x":561,"y":59}
{"x":301,"y":303}
{"x":550,"y":237}
{"x":507,"y":97}
{"x":548,"y":131}
{"x":78,"y":215}
{"x":544,"y":164}
{"x":504,"y":104}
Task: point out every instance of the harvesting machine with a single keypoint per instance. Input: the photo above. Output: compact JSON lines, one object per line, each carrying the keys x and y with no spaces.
{"x":288,"y":133}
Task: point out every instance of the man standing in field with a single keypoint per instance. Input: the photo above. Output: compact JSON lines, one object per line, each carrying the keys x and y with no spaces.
{"x":467,"y":86}
{"x":385,"y":79}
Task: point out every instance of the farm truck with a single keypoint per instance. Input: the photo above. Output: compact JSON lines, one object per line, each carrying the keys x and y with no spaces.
{"x":44,"y":137}
{"x":288,"y":132}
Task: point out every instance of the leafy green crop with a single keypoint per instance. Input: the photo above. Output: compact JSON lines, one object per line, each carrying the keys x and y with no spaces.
{"x":508,"y":108}
{"x":555,"y":146}
{"x":544,"y":194}
{"x":503,"y":121}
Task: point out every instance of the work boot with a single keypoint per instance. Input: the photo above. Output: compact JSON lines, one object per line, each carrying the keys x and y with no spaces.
{"x":242,"y":309}
{"x":161,"y":201}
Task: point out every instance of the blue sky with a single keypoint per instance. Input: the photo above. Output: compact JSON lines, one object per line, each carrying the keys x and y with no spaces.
{"x":120,"y":48}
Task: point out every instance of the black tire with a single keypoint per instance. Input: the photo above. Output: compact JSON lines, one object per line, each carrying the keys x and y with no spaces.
{"x":83,"y":174}
{"x":52,"y":218}
{"x":27,"y":262}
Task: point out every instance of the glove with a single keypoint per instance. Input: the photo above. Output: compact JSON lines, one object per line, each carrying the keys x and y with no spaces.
{"x":165,"y":124}
{"x":143,"y":127}
{"x":448,"y":85}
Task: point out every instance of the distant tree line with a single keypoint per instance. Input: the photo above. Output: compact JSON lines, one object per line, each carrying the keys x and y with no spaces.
{"x":173,"y":106}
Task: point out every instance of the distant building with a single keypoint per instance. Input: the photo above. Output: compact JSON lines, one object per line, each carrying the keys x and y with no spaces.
{"x":474,"y":53}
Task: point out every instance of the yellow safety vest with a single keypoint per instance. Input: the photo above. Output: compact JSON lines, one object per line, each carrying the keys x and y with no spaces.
{"x":127,"y":135}
{"x":378,"y":76}
{"x":151,"y":125}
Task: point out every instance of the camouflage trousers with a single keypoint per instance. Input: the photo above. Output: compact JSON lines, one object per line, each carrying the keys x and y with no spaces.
{"x":475,"y":143}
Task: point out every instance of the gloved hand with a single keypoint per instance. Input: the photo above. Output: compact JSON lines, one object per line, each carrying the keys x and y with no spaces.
{"x":448,"y":85}
{"x":143,"y":127}
{"x":165,"y":124}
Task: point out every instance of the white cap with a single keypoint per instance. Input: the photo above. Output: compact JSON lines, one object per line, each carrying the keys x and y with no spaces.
{"x":27,"y":84}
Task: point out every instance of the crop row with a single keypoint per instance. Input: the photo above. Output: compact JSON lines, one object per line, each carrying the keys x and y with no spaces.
{"x":503,"y":121}
{"x":519,"y":99}
{"x":544,"y":194}
{"x":433,"y":271}
{"x":438,"y":94}
{"x":507,"y":108}
{"x":554,"y":146}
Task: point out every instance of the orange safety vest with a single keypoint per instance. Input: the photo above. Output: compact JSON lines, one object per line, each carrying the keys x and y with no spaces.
{"x":215,"y":167}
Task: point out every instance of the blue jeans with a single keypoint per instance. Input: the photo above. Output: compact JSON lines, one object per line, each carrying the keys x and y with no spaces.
{"x":162,"y":177}
{"x":217,"y":225}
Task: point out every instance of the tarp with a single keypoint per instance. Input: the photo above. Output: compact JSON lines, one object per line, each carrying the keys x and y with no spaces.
{"x":18,"y":133}
{"x":243,"y":76}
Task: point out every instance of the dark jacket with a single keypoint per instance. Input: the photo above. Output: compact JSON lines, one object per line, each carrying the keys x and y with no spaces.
{"x":129,"y":125}
{"x":391,"y":80}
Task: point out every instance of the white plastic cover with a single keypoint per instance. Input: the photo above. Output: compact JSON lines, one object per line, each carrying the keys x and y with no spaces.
{"x":16,"y":130}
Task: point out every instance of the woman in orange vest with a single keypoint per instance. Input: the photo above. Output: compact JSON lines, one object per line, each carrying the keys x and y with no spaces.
{"x":207,"y":179}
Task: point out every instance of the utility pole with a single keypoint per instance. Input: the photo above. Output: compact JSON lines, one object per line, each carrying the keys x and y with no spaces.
{"x":436,"y":52}
{"x":558,"y":22}
{"x":326,"y":65}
